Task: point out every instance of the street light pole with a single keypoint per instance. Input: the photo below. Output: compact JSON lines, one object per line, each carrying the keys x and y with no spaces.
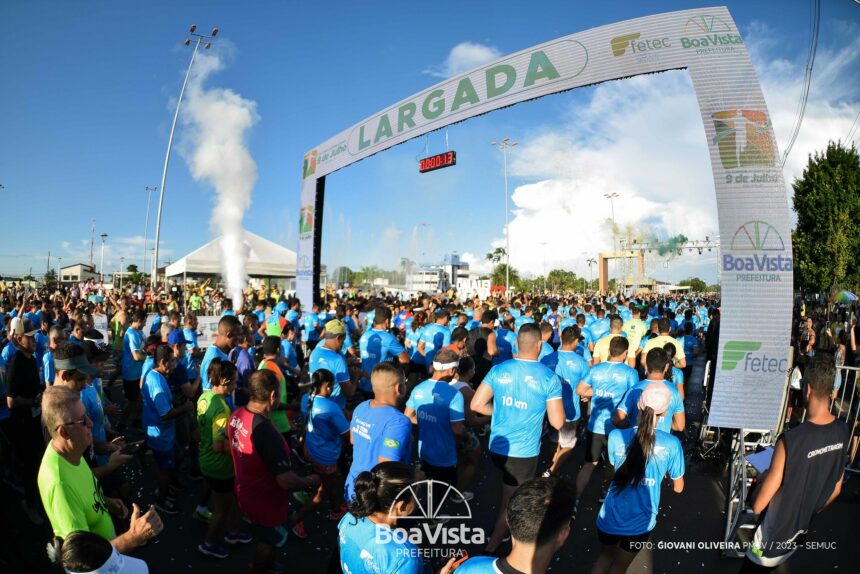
{"x":504,"y":145}
{"x":121,"y":261}
{"x":149,"y":190}
{"x":102,"y":264}
{"x":200,"y":38}
{"x":59,"y":270}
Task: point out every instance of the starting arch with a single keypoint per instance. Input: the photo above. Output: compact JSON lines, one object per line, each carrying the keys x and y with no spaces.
{"x":757,"y":265}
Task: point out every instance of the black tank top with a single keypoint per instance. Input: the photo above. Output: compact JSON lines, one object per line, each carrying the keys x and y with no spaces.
{"x":816,"y":456}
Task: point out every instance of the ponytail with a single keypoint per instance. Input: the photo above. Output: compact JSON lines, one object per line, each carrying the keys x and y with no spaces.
{"x":632,"y":470}
{"x":379,"y":489}
{"x":318,"y":378}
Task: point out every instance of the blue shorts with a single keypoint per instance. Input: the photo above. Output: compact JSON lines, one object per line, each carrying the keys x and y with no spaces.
{"x":272,"y":535}
{"x":165,"y":459}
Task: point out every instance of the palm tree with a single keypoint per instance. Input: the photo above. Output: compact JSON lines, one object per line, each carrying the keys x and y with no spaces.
{"x":497,"y":255}
{"x":591,"y":261}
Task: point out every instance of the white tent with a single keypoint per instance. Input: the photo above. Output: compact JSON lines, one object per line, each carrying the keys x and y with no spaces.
{"x":265,"y":259}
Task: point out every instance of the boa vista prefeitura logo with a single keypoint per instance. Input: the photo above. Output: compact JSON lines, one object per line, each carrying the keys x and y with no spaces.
{"x":439,"y":524}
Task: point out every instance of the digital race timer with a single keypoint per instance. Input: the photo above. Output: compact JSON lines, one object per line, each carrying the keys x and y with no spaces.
{"x":438,"y":161}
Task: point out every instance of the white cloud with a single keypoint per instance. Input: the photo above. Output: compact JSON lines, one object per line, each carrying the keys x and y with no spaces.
{"x":477,"y":264}
{"x":643,"y":139}
{"x":462,"y":58}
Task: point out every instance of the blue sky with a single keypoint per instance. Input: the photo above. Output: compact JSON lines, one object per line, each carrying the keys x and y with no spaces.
{"x":88,"y":98}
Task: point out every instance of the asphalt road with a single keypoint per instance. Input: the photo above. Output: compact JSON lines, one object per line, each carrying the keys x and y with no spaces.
{"x":695,"y":518}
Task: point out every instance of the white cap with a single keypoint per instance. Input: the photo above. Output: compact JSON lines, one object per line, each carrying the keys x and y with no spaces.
{"x":119,"y":564}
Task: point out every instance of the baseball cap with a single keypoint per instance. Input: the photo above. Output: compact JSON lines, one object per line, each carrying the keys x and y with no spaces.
{"x":23,"y":327}
{"x":76,"y":363}
{"x":334,"y":328}
{"x":177,"y":337}
{"x":657,"y":396}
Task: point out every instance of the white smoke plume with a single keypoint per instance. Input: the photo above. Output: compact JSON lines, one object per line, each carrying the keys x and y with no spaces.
{"x":214,"y":144}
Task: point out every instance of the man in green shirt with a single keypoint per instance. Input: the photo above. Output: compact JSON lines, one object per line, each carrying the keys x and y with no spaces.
{"x":636,"y":328}
{"x":196,"y":303}
{"x":72,"y":497}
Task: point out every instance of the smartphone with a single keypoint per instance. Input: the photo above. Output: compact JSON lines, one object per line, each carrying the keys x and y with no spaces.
{"x":460,"y":560}
{"x":131,"y":447}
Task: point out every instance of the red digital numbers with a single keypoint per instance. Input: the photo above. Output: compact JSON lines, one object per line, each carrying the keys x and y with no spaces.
{"x":437,"y":161}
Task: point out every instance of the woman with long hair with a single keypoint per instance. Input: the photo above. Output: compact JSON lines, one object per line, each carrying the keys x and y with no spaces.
{"x":417,"y":367}
{"x":326,"y":431}
{"x":642,"y":455}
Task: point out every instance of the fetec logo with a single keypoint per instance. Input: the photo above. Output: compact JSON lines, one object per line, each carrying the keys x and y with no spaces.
{"x":736,"y":351}
{"x":757,"y":236}
{"x":310,"y":164}
{"x":621,"y":43}
{"x":440,"y":510}
{"x":707,"y":31}
{"x":743,"y":138}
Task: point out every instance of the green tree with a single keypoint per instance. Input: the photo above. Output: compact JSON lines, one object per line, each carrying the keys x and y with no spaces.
{"x":827,"y":202}
{"x":561,"y":280}
{"x":50,"y":279}
{"x":498,"y":275}
{"x":132,"y":268}
{"x":497,"y":255}
{"x":695,"y":284}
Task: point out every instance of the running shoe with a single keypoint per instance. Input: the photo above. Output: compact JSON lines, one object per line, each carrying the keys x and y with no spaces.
{"x":167,"y":507}
{"x":213,"y":550}
{"x":301,"y":496}
{"x":238,"y":538}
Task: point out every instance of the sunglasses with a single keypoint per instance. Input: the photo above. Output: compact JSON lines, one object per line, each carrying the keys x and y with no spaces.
{"x":82,"y":422}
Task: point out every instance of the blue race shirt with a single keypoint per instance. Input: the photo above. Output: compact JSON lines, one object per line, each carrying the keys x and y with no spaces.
{"x":413,"y":337}
{"x":610,"y":382}
{"x":690,"y":344}
{"x":289,"y":353}
{"x":49,"y":373}
{"x":157,"y":402}
{"x":435,"y":336}
{"x":324,"y":358}
{"x":131,"y":341}
{"x":522,"y":320}
{"x":293,"y":318}
{"x":630,"y":405}
{"x":521,"y":390}
{"x":377,"y":432}
{"x":361,"y":553}
{"x":93,"y":405}
{"x":310,"y":323}
{"x":633,"y":510}
{"x":479,"y":565}
{"x":437,"y":404}
{"x":571,"y":369}
{"x":189,"y":362}
{"x":212,"y":353}
{"x":376,"y":346}
{"x":325,"y":426}
{"x":505,"y":341}
{"x":599,"y":328}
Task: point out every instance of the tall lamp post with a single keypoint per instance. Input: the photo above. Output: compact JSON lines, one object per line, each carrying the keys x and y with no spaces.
{"x":149,"y":190}
{"x":611,"y":197}
{"x":591,"y":261}
{"x":121,"y":261}
{"x":208,"y":44}
{"x":505,"y":144}
{"x":59,"y":270}
{"x":102,"y":264}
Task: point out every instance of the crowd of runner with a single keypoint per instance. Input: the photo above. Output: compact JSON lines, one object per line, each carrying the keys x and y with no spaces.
{"x":341,"y":407}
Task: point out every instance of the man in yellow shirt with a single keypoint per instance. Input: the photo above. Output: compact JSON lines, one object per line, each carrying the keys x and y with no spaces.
{"x":636,"y":328}
{"x":72,"y":497}
{"x":601,"y":347}
{"x":663,"y":327}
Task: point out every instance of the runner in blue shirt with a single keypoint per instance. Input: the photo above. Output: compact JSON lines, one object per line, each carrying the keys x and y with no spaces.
{"x":377,"y":345}
{"x":133,"y":356}
{"x":378,"y":430}
{"x":606,"y":385}
{"x":226,"y":338}
{"x":674,"y":418}
{"x":158,"y":420}
{"x":506,"y":338}
{"x":310,"y":328}
{"x":642,"y":455}
{"x":326,"y":431}
{"x":600,"y":326}
{"x":327,"y":356}
{"x":437,"y":409}
{"x":571,"y":369}
{"x":366,"y":544}
{"x":434,"y":337}
{"x":413,"y":327}
{"x":523,"y":319}
{"x":587,"y":340}
{"x":518,"y":394}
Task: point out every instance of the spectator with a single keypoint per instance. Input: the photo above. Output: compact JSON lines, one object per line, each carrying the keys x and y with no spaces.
{"x":83,"y":551}
{"x":71,"y":496}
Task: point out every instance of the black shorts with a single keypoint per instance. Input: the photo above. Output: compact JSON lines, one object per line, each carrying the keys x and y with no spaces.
{"x":595,"y":446}
{"x":515,"y":471}
{"x":131,"y":389}
{"x":220,"y":485}
{"x":626,"y":543}
{"x":446,"y":474}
